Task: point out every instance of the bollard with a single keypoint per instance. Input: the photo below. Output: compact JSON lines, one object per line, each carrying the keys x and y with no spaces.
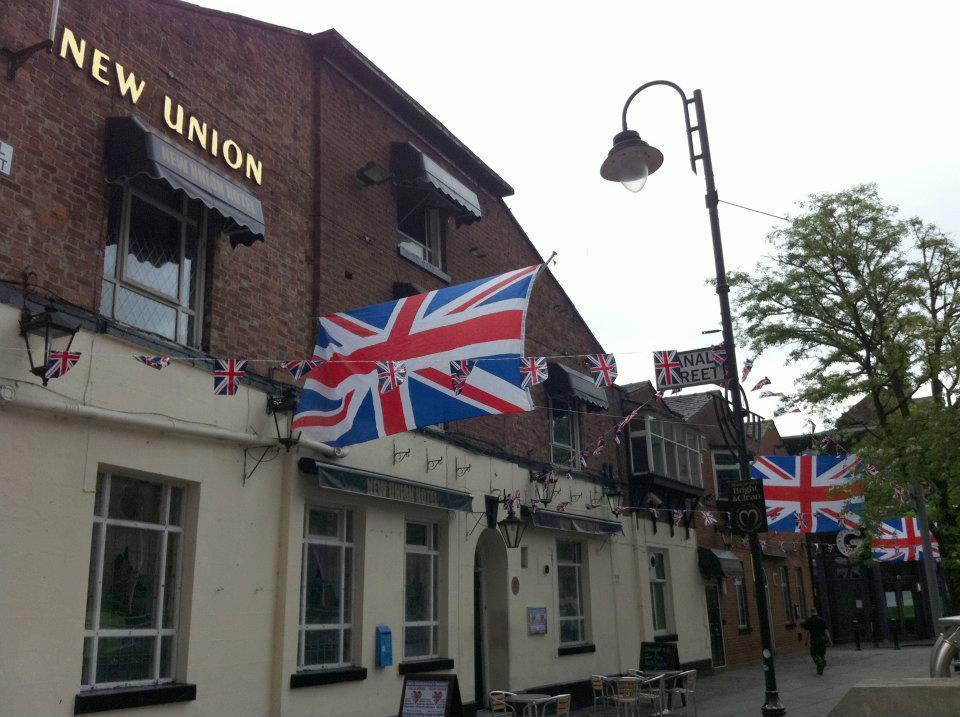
{"x":876,"y":633}
{"x":856,"y":634}
{"x":895,"y":630}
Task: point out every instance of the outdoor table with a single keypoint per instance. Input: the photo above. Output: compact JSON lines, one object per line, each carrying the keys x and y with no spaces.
{"x":667,"y":675}
{"x":529,"y":702}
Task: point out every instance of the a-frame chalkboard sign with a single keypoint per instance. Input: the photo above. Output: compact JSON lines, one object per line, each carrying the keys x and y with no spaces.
{"x":431,"y":696}
{"x":659,"y":656}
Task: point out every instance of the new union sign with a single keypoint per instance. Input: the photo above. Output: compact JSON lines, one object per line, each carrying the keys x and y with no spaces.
{"x":680,"y":369}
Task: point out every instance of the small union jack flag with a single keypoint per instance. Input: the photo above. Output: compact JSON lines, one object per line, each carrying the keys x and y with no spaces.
{"x":781,"y":411}
{"x":562,"y":506}
{"x":226,"y":376}
{"x":534,"y":370}
{"x":709,"y":518}
{"x":747,"y":368}
{"x":678,"y":517}
{"x":391,"y":374}
{"x":675,"y":390}
{"x":770,"y":394}
{"x":60,"y":362}
{"x":659,"y":393}
{"x":459,"y":373}
{"x":601,"y":443}
{"x":802,"y":522}
{"x":761,"y":383}
{"x":581,"y":458}
{"x":603,"y":367}
{"x":901,"y":493}
{"x":157,"y":362}
{"x":300,"y":368}
{"x":871,"y":469}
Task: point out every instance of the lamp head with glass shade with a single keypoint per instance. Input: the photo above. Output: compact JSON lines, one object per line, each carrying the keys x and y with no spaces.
{"x":630,"y":161}
{"x":45,"y":332}
{"x":512,"y":528}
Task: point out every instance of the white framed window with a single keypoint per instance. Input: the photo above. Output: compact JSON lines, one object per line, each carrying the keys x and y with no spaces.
{"x":573,"y":620}
{"x":421,"y":595}
{"x":326,"y":590}
{"x":801,"y":596}
{"x":785,"y":594}
{"x":564,"y":431}
{"x":666,"y":448}
{"x":659,"y":592}
{"x":153,"y":263}
{"x":133,"y":593}
{"x":422,"y":229}
{"x":726,"y":469}
{"x":743,"y":612}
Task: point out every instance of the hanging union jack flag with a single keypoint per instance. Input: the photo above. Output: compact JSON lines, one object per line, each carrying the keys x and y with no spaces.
{"x":534,"y":370}
{"x":899,"y":540}
{"x":300,"y":368}
{"x":666,"y":364}
{"x":801,"y":492}
{"x":157,"y":362}
{"x":603,"y":367}
{"x":226,"y":376}
{"x":770,"y":394}
{"x":341,"y":404}
{"x":391,"y":375}
{"x":761,"y":383}
{"x":747,"y":368}
{"x":459,"y":374}
{"x":60,"y":362}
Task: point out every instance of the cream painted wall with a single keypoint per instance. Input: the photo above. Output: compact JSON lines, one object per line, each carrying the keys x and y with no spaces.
{"x":243,"y":542}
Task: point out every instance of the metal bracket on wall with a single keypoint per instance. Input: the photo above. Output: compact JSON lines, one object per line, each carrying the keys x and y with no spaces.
{"x":246,"y":454}
{"x":574,"y":497}
{"x":17,"y":58}
{"x":401,"y":454}
{"x":432,"y":463}
{"x":459,"y":469}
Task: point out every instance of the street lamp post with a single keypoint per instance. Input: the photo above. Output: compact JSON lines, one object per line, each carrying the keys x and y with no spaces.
{"x":631,"y":161}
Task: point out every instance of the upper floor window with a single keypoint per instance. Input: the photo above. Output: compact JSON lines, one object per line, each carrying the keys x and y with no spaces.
{"x":564,"y":431}
{"x":665,"y":448}
{"x":421,"y":619}
{"x":133,"y":594}
{"x":153,"y":264}
{"x":726,"y":469}
{"x":422,"y":229}
{"x":326,"y":590}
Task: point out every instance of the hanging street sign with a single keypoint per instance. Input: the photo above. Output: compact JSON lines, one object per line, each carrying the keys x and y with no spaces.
{"x":680,"y":369}
{"x":748,"y":507}
{"x":6,"y":159}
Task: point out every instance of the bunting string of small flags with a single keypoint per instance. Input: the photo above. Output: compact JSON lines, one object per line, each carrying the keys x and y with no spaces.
{"x":391,"y":374}
{"x":157,"y":362}
{"x":603,"y":367}
{"x":459,"y":374}
{"x":761,"y":383}
{"x":534,"y":370}
{"x":227,"y":374}
{"x":747,"y":368}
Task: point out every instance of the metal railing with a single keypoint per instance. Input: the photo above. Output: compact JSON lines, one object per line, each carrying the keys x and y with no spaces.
{"x":946,"y":650}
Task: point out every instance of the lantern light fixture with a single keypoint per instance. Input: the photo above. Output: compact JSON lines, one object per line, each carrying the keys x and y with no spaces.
{"x":44,"y":332}
{"x":512,"y":527}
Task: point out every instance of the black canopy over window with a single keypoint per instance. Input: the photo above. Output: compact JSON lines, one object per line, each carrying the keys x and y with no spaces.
{"x":134,"y":148}
{"x":716,"y":563}
{"x":555,"y":520}
{"x":412,"y":168}
{"x":565,"y":382}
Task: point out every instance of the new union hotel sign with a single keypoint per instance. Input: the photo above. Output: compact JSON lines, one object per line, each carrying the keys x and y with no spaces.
{"x":196,"y":131}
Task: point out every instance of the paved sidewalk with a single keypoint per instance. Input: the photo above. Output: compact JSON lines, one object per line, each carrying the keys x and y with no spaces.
{"x":738,"y":691}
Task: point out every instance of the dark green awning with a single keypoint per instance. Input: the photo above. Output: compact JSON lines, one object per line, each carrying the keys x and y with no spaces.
{"x":717,"y":563}
{"x":378,"y":485}
{"x":563,"y":381}
{"x":554,"y":520}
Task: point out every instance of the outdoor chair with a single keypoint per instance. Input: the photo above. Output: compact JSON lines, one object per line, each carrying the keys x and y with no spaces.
{"x":651,"y":690}
{"x":498,"y":703}
{"x":556,"y":706}
{"x":626,"y":695}
{"x":602,"y":692}
{"x":685,"y":685}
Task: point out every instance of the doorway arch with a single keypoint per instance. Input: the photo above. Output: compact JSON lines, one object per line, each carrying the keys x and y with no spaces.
{"x":490,"y":615}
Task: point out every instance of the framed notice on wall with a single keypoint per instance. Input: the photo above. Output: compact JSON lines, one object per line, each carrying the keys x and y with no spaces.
{"x":536,"y":621}
{"x":431,"y":696}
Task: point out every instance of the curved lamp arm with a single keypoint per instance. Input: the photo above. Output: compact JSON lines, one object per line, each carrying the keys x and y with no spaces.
{"x":686,"y":113}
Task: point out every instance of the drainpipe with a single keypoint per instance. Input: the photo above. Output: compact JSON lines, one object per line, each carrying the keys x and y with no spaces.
{"x":157,"y":424}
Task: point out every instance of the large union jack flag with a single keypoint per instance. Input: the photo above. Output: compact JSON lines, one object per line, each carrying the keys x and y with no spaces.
{"x":481,"y":320}
{"x":801,"y":492}
{"x":899,"y":540}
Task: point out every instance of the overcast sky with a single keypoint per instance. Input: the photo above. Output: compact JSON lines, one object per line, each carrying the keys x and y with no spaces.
{"x":808,"y":98}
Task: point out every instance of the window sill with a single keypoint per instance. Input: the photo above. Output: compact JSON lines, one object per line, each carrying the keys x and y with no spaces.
{"x":415,"y":666}
{"x":576,"y":649}
{"x":666,"y":637}
{"x":311,"y":678}
{"x":425,"y":265}
{"x":745,"y":630}
{"x":126,"y":697}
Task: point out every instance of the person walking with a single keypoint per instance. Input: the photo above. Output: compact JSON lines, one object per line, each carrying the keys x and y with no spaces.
{"x":818,"y":638}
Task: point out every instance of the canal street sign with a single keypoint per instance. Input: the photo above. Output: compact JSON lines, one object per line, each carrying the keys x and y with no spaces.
{"x":681,"y":369}
{"x":6,"y":159}
{"x":748,"y":507}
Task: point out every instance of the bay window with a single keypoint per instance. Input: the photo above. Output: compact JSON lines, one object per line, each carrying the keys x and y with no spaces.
{"x":665,"y":448}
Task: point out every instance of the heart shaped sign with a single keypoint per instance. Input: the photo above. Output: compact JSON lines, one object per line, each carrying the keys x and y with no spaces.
{"x":748,"y":519}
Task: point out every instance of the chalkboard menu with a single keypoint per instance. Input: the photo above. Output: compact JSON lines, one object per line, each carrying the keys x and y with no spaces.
{"x":431,"y":696}
{"x":656,"y":656}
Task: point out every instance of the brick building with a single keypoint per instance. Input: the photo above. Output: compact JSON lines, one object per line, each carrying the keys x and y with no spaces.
{"x":198,"y":185}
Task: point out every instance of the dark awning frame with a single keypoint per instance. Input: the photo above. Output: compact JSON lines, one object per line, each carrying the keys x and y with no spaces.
{"x":563,"y":381}
{"x":718,"y":563}
{"x":413,"y":168}
{"x":571,"y":523}
{"x":133,"y":148}
{"x":377,"y":485}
